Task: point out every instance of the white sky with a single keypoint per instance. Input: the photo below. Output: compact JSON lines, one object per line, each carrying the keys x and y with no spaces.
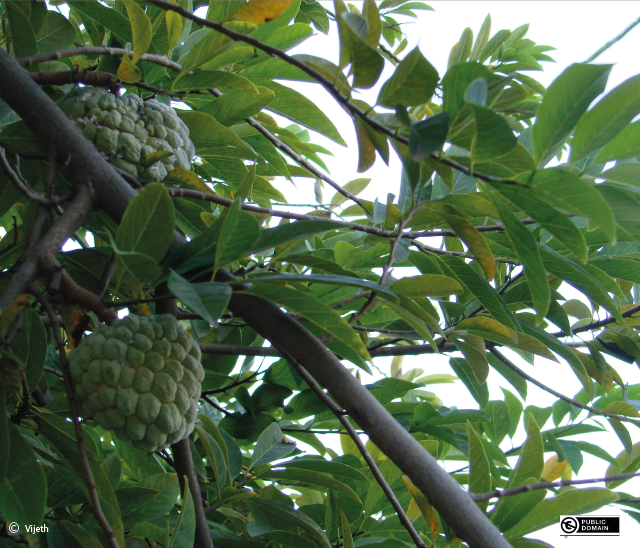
{"x":576,"y":30}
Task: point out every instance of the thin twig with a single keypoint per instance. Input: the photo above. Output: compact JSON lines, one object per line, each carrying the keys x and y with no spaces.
{"x":250,"y":378}
{"x":84,"y":462}
{"x":546,"y":388}
{"x":215,"y":405}
{"x":89,"y":50}
{"x":611,"y":42}
{"x":501,"y":493}
{"x":339,"y":413}
{"x":601,"y":323}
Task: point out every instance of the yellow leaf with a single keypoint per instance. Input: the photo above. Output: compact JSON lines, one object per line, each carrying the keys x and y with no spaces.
{"x":9,"y":314}
{"x":188,"y":178}
{"x":553,"y":469}
{"x":127,"y":71}
{"x":140,"y":27}
{"x":426,"y":508}
{"x":174,"y":27}
{"x":262,"y":11}
{"x":488,"y":325}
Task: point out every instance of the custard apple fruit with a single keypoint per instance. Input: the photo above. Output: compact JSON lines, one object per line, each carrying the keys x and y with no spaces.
{"x":126,"y":130}
{"x":140,"y":377}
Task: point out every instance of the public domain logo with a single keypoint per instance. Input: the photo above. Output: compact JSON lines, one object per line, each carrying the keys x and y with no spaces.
{"x":590,"y":525}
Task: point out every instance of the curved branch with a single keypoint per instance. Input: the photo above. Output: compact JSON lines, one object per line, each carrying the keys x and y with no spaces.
{"x":89,"y":50}
{"x":501,"y":493}
{"x":546,"y":388}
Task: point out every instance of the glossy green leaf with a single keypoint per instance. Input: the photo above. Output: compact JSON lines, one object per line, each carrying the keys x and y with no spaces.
{"x":293,"y":231}
{"x":314,"y":311}
{"x":511,"y":510}
{"x":208,"y":299}
{"x":426,"y":285}
{"x":428,"y":136}
{"x":223,"y":80}
{"x":606,"y":119}
{"x":479,"y":473}
{"x":184,"y":532}
{"x":148,"y":223}
{"x":412,"y":83}
{"x":140,"y":29}
{"x":526,"y":247}
{"x":623,"y":146}
{"x":23,"y":37}
{"x":207,"y":132}
{"x":313,"y":478}
{"x":564,"y":103}
{"x":494,"y":137}
{"x":272,"y":445}
{"x":109,"y":18}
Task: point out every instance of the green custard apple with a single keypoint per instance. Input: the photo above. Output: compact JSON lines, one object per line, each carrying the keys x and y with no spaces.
{"x":140,"y":378}
{"x":126,"y":130}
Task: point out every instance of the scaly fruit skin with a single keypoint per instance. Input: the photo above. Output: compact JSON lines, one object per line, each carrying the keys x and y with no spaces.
{"x":140,"y":377}
{"x":127,"y":129}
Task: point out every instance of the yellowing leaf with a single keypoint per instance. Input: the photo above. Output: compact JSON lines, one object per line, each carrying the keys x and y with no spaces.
{"x":127,"y":71}
{"x":487,"y":326}
{"x":140,"y":27}
{"x":10,"y":313}
{"x":174,"y":27}
{"x":262,"y":11}
{"x":553,"y":469}
{"x":426,"y":508}
{"x":188,"y":178}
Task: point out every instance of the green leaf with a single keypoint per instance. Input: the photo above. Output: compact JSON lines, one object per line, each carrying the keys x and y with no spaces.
{"x":511,"y":510}
{"x":206,"y":132}
{"x":347,"y":539}
{"x":575,"y":275}
{"x":80,"y":534}
{"x":234,"y":107}
{"x":216,"y":458}
{"x":30,"y":345}
{"x":564,"y":103}
{"x":526,"y":247}
{"x":528,"y":200}
{"x":298,"y":108}
{"x":108,"y":501}
{"x":428,"y":136}
{"x":238,"y":234}
{"x":463,"y":370}
{"x":547,"y":512}
{"x":366,"y":62}
{"x":208,"y":299}
{"x":567,"y":191}
{"x":530,"y":461}
{"x":212,"y":44}
{"x":469,"y":235}
{"x":293,"y":231}
{"x":109,"y":18}
{"x":23,"y":492}
{"x":624,"y":205}
{"x":272,"y":445}
{"x":23,"y":36}
{"x":457,"y":80}
{"x":148,"y":223}
{"x":426,"y":285}
{"x":207,"y":79}
{"x":412,"y":83}
{"x":622,"y":147}
{"x":314,"y":311}
{"x":607,"y":119}
{"x":313,"y":478}
{"x":152,"y":498}
{"x":481,"y":40}
{"x":479,"y":471}
{"x":56,"y":34}
{"x":494,"y":137}
{"x":185,"y":529}
{"x":140,"y":29}
{"x":4,"y":436}
{"x":283,"y":517}
{"x":355,"y":187}
{"x":349,"y":281}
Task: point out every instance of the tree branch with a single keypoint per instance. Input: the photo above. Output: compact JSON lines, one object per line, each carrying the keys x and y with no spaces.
{"x":89,"y":50}
{"x":73,"y":407}
{"x":501,"y":493}
{"x":546,"y":388}
{"x":338,"y":412}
